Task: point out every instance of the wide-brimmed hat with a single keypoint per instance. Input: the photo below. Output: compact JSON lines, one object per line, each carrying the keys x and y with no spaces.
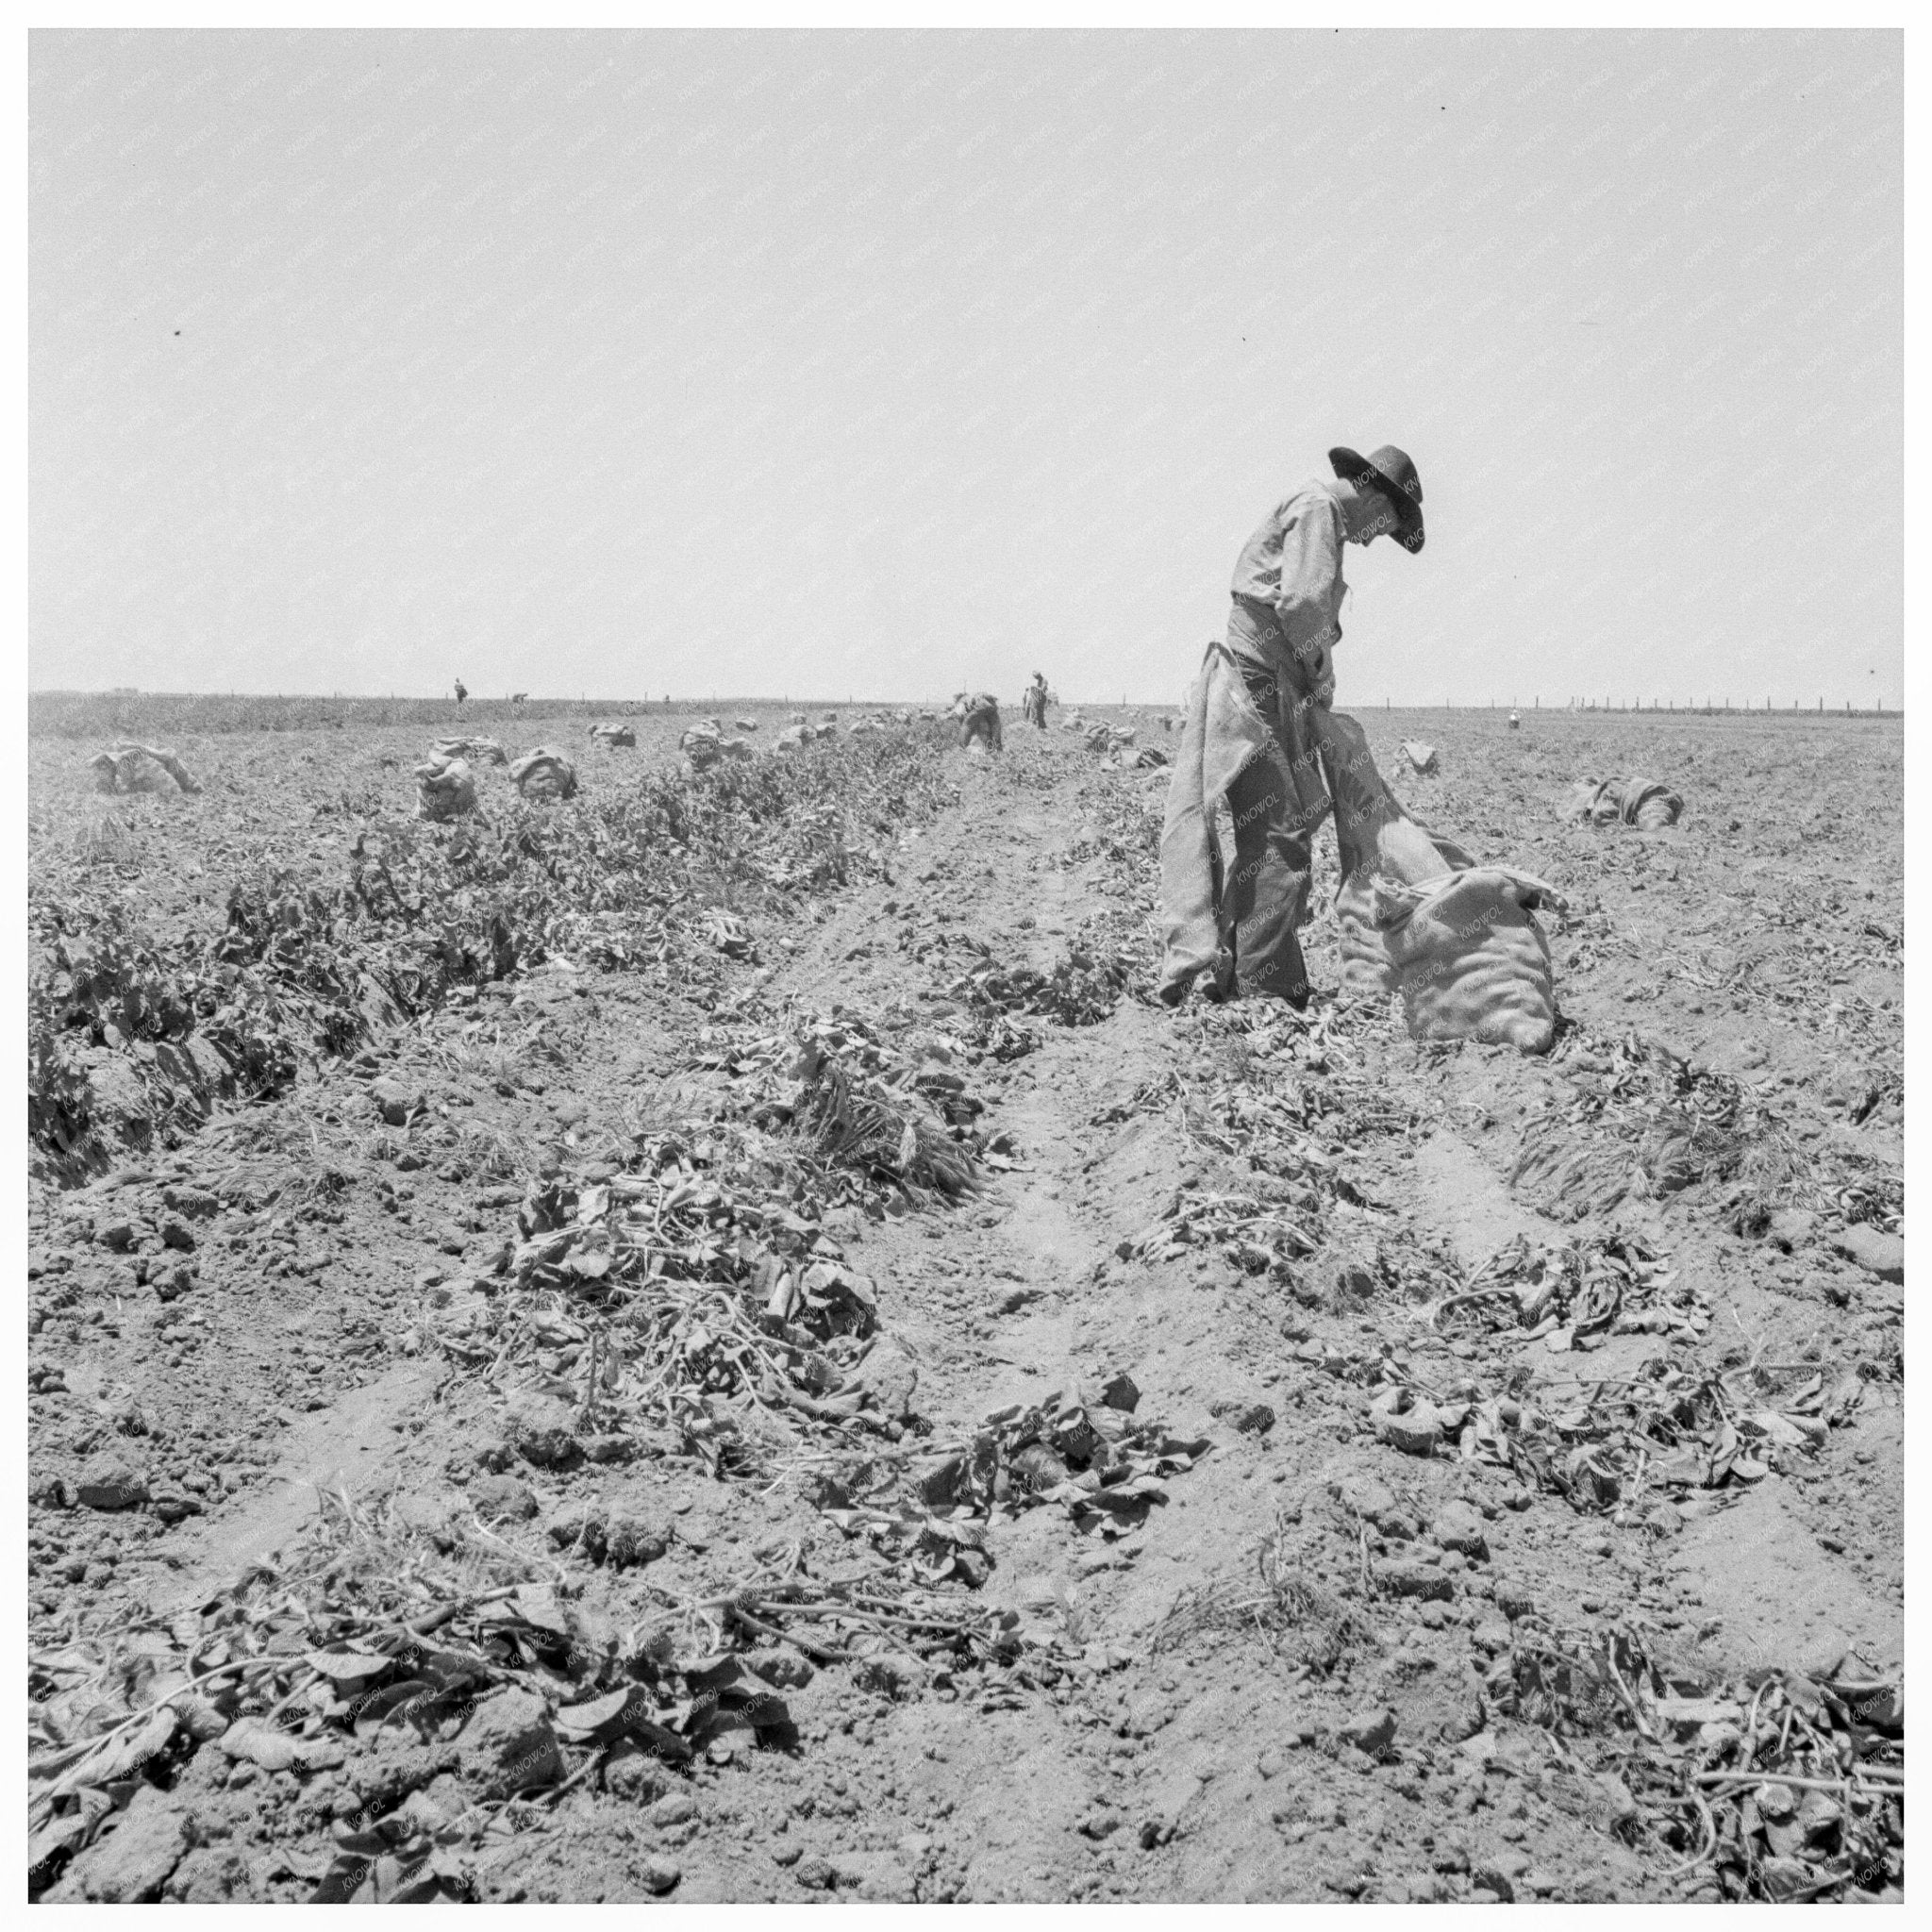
{"x":1391,"y":469}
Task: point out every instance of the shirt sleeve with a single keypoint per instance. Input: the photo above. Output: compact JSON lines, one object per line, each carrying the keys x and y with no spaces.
{"x":1308,"y":601}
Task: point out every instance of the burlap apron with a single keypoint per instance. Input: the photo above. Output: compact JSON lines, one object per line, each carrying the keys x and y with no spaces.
{"x":1274,"y":808}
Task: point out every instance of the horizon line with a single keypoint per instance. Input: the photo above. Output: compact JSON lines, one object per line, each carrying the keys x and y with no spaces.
{"x":1773,"y":706}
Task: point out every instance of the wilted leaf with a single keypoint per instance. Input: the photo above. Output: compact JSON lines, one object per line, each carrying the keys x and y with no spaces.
{"x":404,"y":1699}
{"x":347,"y":1667}
{"x":127,"y":1754}
{"x":537,"y":1603}
{"x":261,"y":1743}
{"x":359,"y":1842}
{"x":57,"y":1834}
{"x":341,"y":1882}
{"x":1690,"y":1712}
{"x":606,"y":1712}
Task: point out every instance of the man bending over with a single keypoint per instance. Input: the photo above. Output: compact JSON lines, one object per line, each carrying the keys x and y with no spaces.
{"x":1259,"y":734}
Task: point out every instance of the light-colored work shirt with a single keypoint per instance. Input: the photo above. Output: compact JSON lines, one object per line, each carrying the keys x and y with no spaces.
{"x":1293,"y":564}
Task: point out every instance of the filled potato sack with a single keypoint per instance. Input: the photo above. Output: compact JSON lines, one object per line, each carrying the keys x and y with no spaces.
{"x":129,"y":768}
{"x":1470,"y":961}
{"x":1648,"y":804}
{"x":477,"y":751}
{"x":445,"y":789}
{"x":1367,"y":968}
{"x":544,"y":774}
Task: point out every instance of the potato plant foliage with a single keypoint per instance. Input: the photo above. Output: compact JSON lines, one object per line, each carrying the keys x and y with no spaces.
{"x":134,"y":1031}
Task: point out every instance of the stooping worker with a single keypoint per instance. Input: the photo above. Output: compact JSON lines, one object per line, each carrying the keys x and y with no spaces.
{"x":1254,"y":737}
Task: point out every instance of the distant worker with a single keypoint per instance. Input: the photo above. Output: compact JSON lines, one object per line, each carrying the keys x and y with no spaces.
{"x":979,"y":718}
{"x":461,"y":693}
{"x":1033,"y":705}
{"x":1515,"y":722}
{"x":1239,"y":913}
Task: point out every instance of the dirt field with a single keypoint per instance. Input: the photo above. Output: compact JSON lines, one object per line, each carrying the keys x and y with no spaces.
{"x":853,"y":1399}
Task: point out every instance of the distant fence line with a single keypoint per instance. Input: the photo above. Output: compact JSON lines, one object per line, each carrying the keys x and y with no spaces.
{"x":1709,"y":708}
{"x":135,"y":714}
{"x":1682,"y":707}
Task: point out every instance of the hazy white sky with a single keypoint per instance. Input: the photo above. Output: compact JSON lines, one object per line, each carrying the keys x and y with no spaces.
{"x":875,"y":365}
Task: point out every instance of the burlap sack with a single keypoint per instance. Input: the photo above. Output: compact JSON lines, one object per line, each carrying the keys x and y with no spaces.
{"x":545,"y":776}
{"x":1367,"y":968}
{"x":479,"y":751}
{"x":1468,"y":958}
{"x":615,"y":735}
{"x":1648,"y":804}
{"x":445,"y":789}
{"x":129,"y":767}
{"x":1421,"y":756}
{"x":705,"y":747}
{"x":1587,"y":796}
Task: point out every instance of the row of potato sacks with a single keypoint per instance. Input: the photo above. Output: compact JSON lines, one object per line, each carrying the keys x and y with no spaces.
{"x":446,"y":781}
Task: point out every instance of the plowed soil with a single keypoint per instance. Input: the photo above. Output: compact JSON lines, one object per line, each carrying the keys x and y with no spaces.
{"x":1297,"y":1671}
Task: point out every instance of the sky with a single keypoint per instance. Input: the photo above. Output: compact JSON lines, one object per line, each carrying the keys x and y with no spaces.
{"x":882,"y":365}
